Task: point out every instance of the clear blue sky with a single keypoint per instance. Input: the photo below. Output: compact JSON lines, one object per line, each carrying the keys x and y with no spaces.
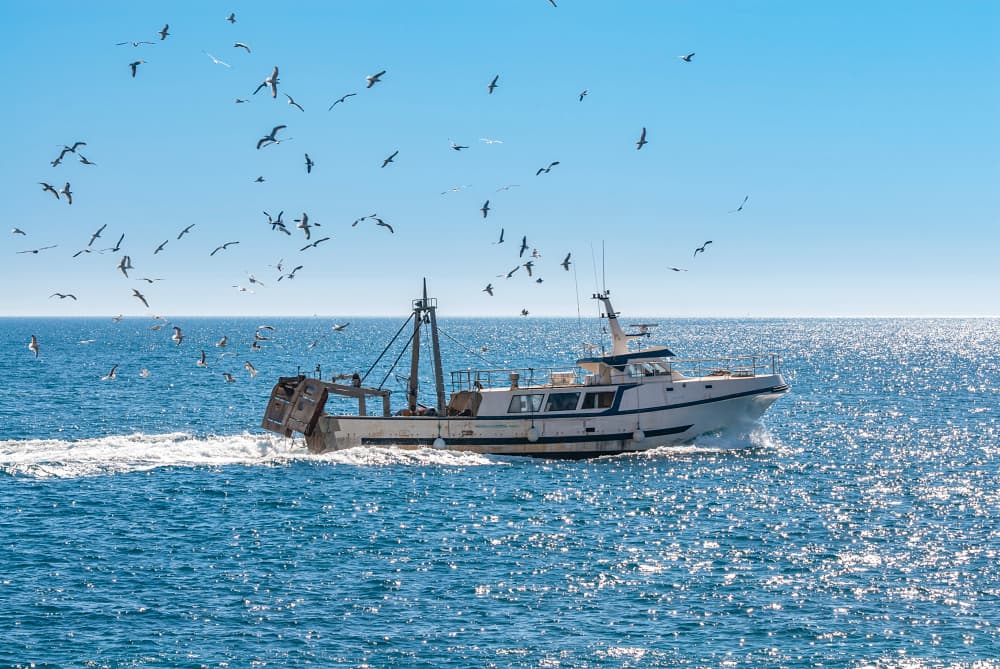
{"x":866,"y":135}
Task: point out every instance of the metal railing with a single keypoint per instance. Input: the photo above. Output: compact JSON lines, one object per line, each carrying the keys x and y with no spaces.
{"x":741,"y":366}
{"x":527,"y":377}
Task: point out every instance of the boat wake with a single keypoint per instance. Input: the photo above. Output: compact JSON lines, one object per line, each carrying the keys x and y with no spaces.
{"x":121,"y":454}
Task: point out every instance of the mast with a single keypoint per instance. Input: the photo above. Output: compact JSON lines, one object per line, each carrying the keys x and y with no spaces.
{"x":411,"y":391}
{"x":425,"y":311}
{"x":619,"y":340}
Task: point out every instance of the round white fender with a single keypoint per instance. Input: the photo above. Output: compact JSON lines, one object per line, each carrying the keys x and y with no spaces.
{"x":638,"y":435}
{"x":533,"y":435}
{"x":439,"y":443}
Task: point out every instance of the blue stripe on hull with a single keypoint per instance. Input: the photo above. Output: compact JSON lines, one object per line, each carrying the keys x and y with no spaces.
{"x":517,"y":441}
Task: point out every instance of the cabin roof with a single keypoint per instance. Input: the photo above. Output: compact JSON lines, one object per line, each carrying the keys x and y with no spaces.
{"x":620,"y":360}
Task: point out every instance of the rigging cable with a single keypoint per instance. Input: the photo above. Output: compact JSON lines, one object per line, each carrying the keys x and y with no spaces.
{"x":387,"y":346}
{"x":396,"y":361}
{"x":468,"y":349}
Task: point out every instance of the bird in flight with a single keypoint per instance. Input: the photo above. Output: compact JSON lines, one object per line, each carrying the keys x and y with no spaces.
{"x":270,"y":138}
{"x":493,"y":84}
{"x":96,"y":235}
{"x":528,"y":266}
{"x":293,"y":103}
{"x":139,"y":296}
{"x":740,"y":208}
{"x":259,"y":180}
{"x":201,"y":361}
{"x":546,"y":169}
{"x":687,"y":58}
{"x":135,"y":66}
{"x":500,"y":241}
{"x":177,"y":336}
{"x":250,"y":368}
{"x":642,"y":140}
{"x":36,"y":251}
{"x":524,"y":312}
{"x":223,"y":247}
{"x":565,"y":263}
{"x":164,"y":31}
{"x":50,"y":188}
{"x":125,"y":264}
{"x":85,"y":161}
{"x":373,"y":79}
{"x":511,"y":273}
{"x":341,"y":99}
{"x":340,"y":328}
{"x":232,"y":17}
{"x":457,"y":147}
{"x":485,"y":208}
{"x":229,"y":377}
{"x":63,"y":296}
{"x":507,"y":187}
{"x":138,"y":43}
{"x":701,"y":249}
{"x":271,"y":81}
{"x":583,"y":94}
{"x":160,"y":247}
{"x":309,"y":164}
{"x":677,"y":269}
{"x":17,"y":231}
{"x":110,"y":376}
{"x":489,"y":289}
{"x":33,"y":345}
{"x":240,"y":101}
{"x":303,"y":224}
{"x":241,"y":45}
{"x":524,"y":246}
{"x":379,"y":221}
{"x":67,"y":193}
{"x":216,"y":60}
{"x":384,"y":162}
{"x":184,"y":231}
{"x":314,"y":244}
{"x":118,"y":244}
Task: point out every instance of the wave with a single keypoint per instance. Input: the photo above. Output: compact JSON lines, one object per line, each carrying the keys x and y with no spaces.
{"x":120,"y":454}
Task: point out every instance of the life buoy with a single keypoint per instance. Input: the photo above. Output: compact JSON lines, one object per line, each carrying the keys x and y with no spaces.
{"x":533,"y":435}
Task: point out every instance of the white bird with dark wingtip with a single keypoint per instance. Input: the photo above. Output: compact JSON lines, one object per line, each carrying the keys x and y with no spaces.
{"x":201,"y":361}
{"x":293,"y":103}
{"x":250,"y":368}
{"x":271,"y":82}
{"x":270,"y":138}
{"x":139,"y":296}
{"x":177,"y":336}
{"x":67,"y":193}
{"x":340,"y":328}
{"x":222,"y":342}
{"x":373,"y":79}
{"x":33,"y":345}
{"x":134,"y":66}
{"x":241,"y":45}
{"x":110,"y":376}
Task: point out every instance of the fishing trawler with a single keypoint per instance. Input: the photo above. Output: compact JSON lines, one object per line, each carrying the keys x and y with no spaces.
{"x":631,"y":399}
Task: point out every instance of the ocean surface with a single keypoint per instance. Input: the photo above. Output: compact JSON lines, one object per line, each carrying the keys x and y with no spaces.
{"x":147,"y":520}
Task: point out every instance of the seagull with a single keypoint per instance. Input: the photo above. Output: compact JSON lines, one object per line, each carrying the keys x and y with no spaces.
{"x":81,"y":252}
{"x":85,"y":161}
{"x":49,"y":187}
{"x":511,"y":273}
{"x":384,"y":162}
{"x":259,"y":180}
{"x":216,"y":60}
{"x":379,"y":221}
{"x":63,"y":296}
{"x":270,"y":137}
{"x":740,"y":208}
{"x":271,"y":81}
{"x":66,"y":193}
{"x":17,"y":231}
{"x":110,"y":376}
{"x":678,"y":269}
{"x":250,"y":368}
{"x":201,"y":361}
{"x":144,"y":373}
{"x":339,"y":328}
{"x":546,"y":169}
{"x":185,"y":231}
{"x":117,"y":319}
{"x":303,"y":224}
{"x":255,"y":280}
{"x":309,"y":164}
{"x":358,"y":220}
{"x":489,"y":140}
{"x":507,"y":187}
{"x":222,"y":248}
{"x":135,"y":66}
{"x":35,"y":251}
{"x":553,"y":3}
{"x":500,"y":241}
{"x":457,"y":147}
{"x":241,"y":45}
{"x":538,"y":280}
{"x":315,"y":243}
{"x":524,"y":246}
{"x":524,"y":312}
{"x":455,"y":189}
{"x":583,"y":94}
{"x":493,"y":84}
{"x":118,"y":244}
{"x":266,"y":327}
{"x":339,"y":100}
{"x":232,"y":17}
{"x":95,"y":235}
{"x":528,"y":265}
{"x":160,"y":247}
{"x":486,"y":208}
{"x":642,"y":140}
{"x":373,"y":79}
{"x":177,"y":336}
{"x":33,"y":345}
{"x":139,"y":296}
{"x":229,"y":377}
{"x":489,"y":289}
{"x":687,"y":58}
{"x":701,"y":249}
{"x":240,"y":101}
{"x":125,"y":265}
{"x":293,"y":103}
{"x":148,"y":280}
{"x":222,"y":342}
{"x":164,"y":31}
{"x":565,"y":263}
{"x":139,"y":43}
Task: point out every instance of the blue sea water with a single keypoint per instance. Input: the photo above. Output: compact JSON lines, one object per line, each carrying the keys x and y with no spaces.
{"x":148,"y":521}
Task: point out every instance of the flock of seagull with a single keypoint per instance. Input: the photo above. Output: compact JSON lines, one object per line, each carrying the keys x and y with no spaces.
{"x":271,"y":84}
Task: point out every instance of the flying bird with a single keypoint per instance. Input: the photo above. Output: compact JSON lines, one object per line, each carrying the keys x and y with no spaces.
{"x":259,"y":180}
{"x":379,"y":221}
{"x":110,"y":376}
{"x":241,"y":45}
{"x":271,"y":81}
{"x":184,"y":231}
{"x":677,"y":269}
{"x":524,"y":312}
{"x":546,"y":169}
{"x":250,"y":368}
{"x":135,"y":66}
{"x":507,"y":187}
{"x":85,"y":161}
{"x":160,"y":247}
{"x":524,"y":246}
{"x":240,"y":101}
{"x":118,"y":244}
{"x":232,"y":17}
{"x":223,"y":247}
{"x":164,"y":31}
{"x":493,"y":84}
{"x":63,"y":296}
{"x":125,"y":265}
{"x":50,"y":188}
{"x":339,"y":328}
{"x":229,"y":377}
{"x":315,"y":243}
{"x":270,"y":138}
{"x":36,"y":251}
{"x":341,"y":99}
{"x":500,"y":241}
{"x":687,"y":58}
{"x":485,"y":208}
{"x":95,"y":235}
{"x":373,"y":79}
{"x":701,"y":249}
{"x":565,"y":263}
{"x":216,"y":60}
{"x":201,"y":361}
{"x":489,"y":289}
{"x":511,"y":273}
{"x":384,"y":162}
{"x":17,"y":231}
{"x":177,"y":336}
{"x":528,"y":265}
{"x":457,"y":147}
{"x":138,"y":43}
{"x":139,"y":296}
{"x":642,"y":140}
{"x":33,"y":345}
{"x":309,"y":164}
{"x":222,"y":342}
{"x":293,"y":103}
{"x":740,"y":208}
{"x":583,"y":94}
{"x":489,"y":140}
{"x":303,"y":224}
{"x":66,"y":193}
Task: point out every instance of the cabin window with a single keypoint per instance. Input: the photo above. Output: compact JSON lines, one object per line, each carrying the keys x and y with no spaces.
{"x":525,"y":403}
{"x":598,"y":400}
{"x":562,"y":401}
